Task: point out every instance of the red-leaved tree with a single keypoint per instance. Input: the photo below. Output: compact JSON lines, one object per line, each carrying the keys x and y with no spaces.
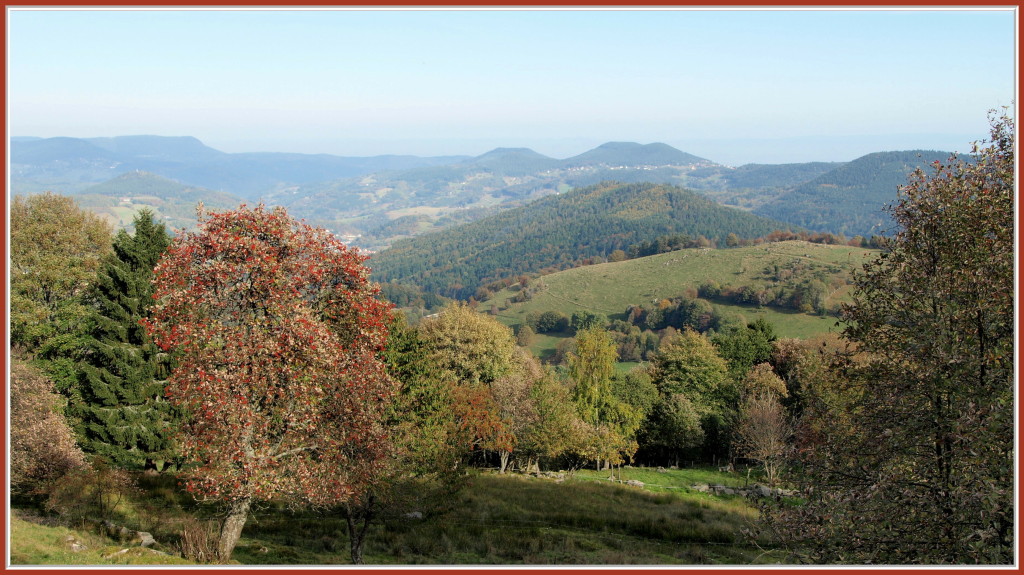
{"x":275,"y":330}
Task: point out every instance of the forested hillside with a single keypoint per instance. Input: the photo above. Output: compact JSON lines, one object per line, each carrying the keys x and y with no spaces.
{"x":557,"y":232}
{"x":172,"y":202}
{"x":850,"y":199}
{"x":376,"y":201}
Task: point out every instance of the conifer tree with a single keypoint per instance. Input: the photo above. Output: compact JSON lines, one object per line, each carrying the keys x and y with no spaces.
{"x":119,"y":406}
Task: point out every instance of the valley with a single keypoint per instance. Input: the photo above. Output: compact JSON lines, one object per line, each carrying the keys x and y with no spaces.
{"x":631,"y":356}
{"x":376,"y":201}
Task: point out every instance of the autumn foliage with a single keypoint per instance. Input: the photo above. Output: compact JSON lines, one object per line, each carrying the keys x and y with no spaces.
{"x":42,"y":444}
{"x":276,"y":332}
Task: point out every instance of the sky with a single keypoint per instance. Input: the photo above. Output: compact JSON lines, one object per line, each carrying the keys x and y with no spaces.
{"x":733,"y":86}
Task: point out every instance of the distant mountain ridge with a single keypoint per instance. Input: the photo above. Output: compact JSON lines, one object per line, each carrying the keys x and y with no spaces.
{"x":72,"y":164}
{"x":382,"y":199}
{"x":633,"y":154}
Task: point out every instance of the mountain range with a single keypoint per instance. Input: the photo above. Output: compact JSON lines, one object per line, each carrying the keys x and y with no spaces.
{"x":70,"y":165}
{"x":381,"y":199}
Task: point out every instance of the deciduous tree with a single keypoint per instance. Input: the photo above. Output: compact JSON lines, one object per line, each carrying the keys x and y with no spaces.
{"x":276,"y":333}
{"x":689,"y":364}
{"x":472,"y":347}
{"x":42,"y":445}
{"x":512,"y":394}
{"x":927,"y":473}
{"x":55,"y":250}
{"x":591,"y":370}
{"x":471,"y":351}
{"x":557,"y":427}
{"x":764,"y":429}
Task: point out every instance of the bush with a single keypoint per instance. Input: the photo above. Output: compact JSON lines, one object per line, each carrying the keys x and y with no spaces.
{"x":93,"y":493}
{"x":43,"y":447}
{"x":199,"y":540}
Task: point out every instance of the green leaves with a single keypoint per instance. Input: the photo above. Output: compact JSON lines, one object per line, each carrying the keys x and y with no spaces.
{"x":120,"y":376}
{"x":55,"y":250}
{"x":913,"y":467}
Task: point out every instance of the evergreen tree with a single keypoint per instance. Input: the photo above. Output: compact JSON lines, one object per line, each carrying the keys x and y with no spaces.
{"x":118,"y":403}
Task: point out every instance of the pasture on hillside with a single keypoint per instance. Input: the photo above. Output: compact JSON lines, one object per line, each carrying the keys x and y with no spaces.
{"x":610,"y":288}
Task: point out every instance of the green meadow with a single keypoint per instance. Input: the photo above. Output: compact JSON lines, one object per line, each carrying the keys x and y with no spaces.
{"x":584,"y":518}
{"x":610,"y":288}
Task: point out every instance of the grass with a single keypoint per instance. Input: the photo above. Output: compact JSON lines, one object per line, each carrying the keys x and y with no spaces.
{"x":36,"y":544}
{"x":495,"y":520}
{"x":516,"y":519}
{"x":611,"y":288}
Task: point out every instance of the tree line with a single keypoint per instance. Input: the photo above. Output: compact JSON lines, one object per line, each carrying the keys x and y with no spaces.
{"x":255,"y":358}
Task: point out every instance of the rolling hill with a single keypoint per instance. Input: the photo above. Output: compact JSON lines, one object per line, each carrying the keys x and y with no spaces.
{"x":558,"y":231}
{"x":610,"y":288}
{"x":850,"y":199}
{"x":173,"y":202}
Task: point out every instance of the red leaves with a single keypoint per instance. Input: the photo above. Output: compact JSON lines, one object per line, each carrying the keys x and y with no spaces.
{"x":275,"y":326}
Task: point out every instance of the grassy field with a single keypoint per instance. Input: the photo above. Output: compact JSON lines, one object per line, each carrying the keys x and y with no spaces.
{"x":33,"y":543}
{"x":495,"y":520}
{"x":611,"y":288}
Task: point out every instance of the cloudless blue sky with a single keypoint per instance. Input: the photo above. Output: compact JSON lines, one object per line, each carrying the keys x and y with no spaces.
{"x":734,"y":86}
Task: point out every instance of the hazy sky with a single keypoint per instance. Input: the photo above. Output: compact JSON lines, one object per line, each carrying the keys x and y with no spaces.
{"x":734,"y":86}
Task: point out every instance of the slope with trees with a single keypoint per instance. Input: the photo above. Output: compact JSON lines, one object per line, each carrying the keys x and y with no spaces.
{"x":558,"y":231}
{"x":852,"y":198}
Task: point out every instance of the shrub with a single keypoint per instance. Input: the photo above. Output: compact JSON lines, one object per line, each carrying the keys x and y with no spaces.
{"x":95,"y":492}
{"x":43,"y":447}
{"x":199,"y":540}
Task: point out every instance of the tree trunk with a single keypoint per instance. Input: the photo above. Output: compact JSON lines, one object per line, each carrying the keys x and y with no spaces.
{"x":358,"y":518}
{"x":503,"y":455}
{"x":238,"y":512}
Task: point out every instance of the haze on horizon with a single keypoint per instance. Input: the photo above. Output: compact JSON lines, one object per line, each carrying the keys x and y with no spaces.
{"x":733,"y":86}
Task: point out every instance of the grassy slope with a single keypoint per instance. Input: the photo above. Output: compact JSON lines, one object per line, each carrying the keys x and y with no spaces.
{"x":35,"y":544}
{"x":515,"y":519}
{"x":612,"y":287}
{"x":496,"y":519}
